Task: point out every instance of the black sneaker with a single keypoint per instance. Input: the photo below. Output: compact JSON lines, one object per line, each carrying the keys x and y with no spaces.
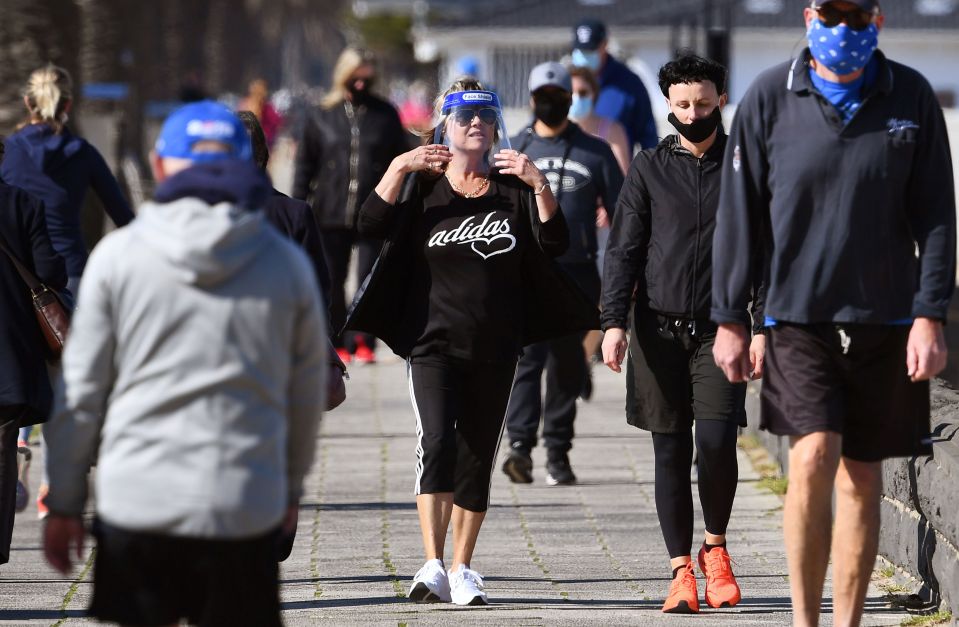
{"x":558,"y":471}
{"x":518,"y":465}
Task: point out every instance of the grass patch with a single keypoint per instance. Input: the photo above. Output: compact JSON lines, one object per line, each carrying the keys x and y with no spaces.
{"x":770,"y":476}
{"x":776,"y":485}
{"x":886,"y":571}
{"x":942,"y":617}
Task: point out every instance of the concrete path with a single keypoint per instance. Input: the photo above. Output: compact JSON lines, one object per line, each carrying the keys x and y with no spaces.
{"x":589,"y":554}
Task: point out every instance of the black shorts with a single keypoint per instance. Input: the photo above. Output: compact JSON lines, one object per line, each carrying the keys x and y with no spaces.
{"x":672,"y":378}
{"x":849,"y":379}
{"x":151,"y":579}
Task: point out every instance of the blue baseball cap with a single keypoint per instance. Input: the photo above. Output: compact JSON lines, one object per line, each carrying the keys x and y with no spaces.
{"x":205,"y":120}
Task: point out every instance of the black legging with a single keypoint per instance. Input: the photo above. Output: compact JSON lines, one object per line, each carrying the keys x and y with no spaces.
{"x":718,"y":474}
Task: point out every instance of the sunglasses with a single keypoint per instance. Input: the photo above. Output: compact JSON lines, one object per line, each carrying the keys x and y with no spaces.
{"x":464,"y":117}
{"x":856,"y":19}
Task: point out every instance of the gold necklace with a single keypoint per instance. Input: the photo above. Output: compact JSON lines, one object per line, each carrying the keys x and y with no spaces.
{"x":473,"y":194}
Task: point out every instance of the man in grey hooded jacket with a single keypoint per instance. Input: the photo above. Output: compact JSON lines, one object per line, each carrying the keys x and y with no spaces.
{"x":194,"y":378}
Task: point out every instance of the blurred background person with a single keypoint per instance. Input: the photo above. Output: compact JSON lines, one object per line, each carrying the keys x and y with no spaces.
{"x":51,"y":163}
{"x":257,"y":101}
{"x":348,"y":143}
{"x":622,"y":95}
{"x":25,"y":392}
{"x":583,"y":112}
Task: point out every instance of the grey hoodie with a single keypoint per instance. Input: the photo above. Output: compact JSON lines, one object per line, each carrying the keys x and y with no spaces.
{"x":195,"y":364}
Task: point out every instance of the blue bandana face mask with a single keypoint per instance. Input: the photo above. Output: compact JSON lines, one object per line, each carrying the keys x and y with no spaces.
{"x":585,"y":58}
{"x":581,"y":107}
{"x":841,"y":49}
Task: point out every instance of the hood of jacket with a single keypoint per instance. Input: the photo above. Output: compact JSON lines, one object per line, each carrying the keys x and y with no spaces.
{"x":44,"y":148}
{"x":205,"y":220}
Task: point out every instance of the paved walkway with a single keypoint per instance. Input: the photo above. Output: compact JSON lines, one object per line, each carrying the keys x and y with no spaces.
{"x":589,"y":554}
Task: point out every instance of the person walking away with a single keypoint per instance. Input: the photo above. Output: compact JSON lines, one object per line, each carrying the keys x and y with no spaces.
{"x":583,"y":173}
{"x":464,"y":280}
{"x":26,"y":396}
{"x":48,"y":161}
{"x":662,"y":236}
{"x":855,"y":305}
{"x":347,"y":145}
{"x":197,"y":319}
{"x":622,"y":95}
{"x":294,"y":219}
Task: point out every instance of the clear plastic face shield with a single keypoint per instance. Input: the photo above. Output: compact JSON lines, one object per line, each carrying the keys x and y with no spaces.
{"x":472,"y":121}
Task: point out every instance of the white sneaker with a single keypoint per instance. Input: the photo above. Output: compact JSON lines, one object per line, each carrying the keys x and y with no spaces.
{"x":430,"y":584}
{"x":466,"y":587}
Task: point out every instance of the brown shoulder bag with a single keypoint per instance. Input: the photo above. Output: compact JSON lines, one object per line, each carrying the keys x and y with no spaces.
{"x":52,"y":315}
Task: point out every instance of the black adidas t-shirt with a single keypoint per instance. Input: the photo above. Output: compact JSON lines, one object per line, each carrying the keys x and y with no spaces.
{"x":466,"y":295}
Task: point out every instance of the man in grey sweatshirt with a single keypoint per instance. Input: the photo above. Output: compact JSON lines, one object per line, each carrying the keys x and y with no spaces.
{"x":194,"y":379}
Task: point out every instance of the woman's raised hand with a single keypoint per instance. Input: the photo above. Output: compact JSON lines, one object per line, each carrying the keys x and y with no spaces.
{"x":516,"y":163}
{"x":429,"y":158}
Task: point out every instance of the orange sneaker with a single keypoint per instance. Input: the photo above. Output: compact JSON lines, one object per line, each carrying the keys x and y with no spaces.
{"x":683,"y":596}
{"x":42,"y":511}
{"x":721,"y":587}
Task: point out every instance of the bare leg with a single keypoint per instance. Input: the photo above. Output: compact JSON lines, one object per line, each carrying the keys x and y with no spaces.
{"x":466,"y":527}
{"x":855,"y":537}
{"x":807,"y":520}
{"x":434,"y":511}
{"x":715,"y":538}
{"x":679,"y":562}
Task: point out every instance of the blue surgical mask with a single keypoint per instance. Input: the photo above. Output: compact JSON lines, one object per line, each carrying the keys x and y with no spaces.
{"x":841,"y":49}
{"x":581,"y":107}
{"x":586,"y":58}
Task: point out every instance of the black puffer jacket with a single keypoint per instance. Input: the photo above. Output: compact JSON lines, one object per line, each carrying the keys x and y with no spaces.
{"x":662,"y":234}
{"x":343,"y":153}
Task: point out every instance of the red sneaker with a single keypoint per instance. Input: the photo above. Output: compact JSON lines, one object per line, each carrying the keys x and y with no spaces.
{"x":683,"y":596}
{"x":344,"y":355}
{"x":364,"y":354}
{"x":721,"y":587}
{"x":42,"y":510}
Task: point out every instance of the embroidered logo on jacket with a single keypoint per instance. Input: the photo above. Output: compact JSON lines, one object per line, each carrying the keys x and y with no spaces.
{"x":487,"y":239}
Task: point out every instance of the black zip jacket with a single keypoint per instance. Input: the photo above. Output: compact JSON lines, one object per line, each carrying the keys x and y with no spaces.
{"x":662,"y":234}
{"x":342,"y":155}
{"x":841,"y":209}
{"x":553,"y":304}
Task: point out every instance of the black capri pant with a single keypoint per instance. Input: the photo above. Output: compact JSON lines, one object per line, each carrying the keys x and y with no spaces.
{"x":460,"y":409}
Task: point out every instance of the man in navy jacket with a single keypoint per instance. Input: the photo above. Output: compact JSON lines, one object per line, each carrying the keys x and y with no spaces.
{"x":838,"y":169}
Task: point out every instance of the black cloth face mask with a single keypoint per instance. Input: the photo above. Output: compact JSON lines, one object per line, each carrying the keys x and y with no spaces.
{"x":697,"y":130}
{"x":551,"y":111}
{"x":360,"y":96}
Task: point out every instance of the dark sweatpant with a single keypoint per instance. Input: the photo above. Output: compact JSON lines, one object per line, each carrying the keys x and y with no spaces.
{"x":337,"y":248}
{"x":9,"y":428}
{"x":460,"y":407}
{"x":564,"y":361}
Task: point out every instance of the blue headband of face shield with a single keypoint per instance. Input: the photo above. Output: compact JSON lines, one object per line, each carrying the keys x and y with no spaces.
{"x":471,"y":98}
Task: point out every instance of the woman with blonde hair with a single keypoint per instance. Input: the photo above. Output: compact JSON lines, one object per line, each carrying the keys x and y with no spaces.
{"x":347,"y":144}
{"x":45,"y":159}
{"x":464,"y":281}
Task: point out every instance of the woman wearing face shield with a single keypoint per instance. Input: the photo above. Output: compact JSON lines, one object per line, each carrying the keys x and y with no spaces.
{"x":464,"y":281}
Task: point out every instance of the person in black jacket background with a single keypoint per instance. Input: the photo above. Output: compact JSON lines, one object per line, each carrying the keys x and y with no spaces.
{"x":347,"y":145}
{"x":26,"y":396}
{"x":838,"y":166}
{"x":463,"y":281}
{"x":662,"y":236}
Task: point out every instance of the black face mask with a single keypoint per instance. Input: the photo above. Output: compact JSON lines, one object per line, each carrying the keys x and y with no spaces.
{"x":551,"y":110}
{"x":359,"y":96}
{"x":697,"y":130}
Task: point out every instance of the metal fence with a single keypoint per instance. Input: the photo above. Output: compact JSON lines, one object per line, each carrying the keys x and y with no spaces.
{"x":511,"y":67}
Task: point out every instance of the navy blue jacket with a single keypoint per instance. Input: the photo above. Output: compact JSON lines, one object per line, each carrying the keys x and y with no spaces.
{"x":840,"y":209}
{"x":623,"y":97}
{"x":58,"y":169}
{"x":23,"y":372}
{"x":294,"y":218}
